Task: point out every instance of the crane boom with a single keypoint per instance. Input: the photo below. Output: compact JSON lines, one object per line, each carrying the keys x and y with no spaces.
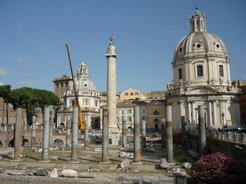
{"x":80,"y":120}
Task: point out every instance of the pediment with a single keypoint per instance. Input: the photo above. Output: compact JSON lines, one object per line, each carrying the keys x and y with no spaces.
{"x":201,"y":90}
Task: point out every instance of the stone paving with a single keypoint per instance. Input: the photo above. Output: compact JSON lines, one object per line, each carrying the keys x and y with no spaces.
{"x":147,"y":172}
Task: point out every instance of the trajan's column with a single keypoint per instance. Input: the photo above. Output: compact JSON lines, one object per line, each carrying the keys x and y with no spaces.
{"x":111,"y":90}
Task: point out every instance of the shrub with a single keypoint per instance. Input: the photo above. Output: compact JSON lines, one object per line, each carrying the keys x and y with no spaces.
{"x":177,"y":138}
{"x":216,"y":169}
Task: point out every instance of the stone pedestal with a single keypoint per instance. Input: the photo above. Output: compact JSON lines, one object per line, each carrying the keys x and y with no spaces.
{"x":114,"y":136}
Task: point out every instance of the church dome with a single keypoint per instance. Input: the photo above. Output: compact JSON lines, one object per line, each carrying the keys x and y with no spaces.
{"x":84,"y":83}
{"x":199,"y":42}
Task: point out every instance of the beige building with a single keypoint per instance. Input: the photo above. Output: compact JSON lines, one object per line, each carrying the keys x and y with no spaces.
{"x":151,"y":111}
{"x":132,"y":94}
{"x":156,"y":94}
{"x":61,"y":85}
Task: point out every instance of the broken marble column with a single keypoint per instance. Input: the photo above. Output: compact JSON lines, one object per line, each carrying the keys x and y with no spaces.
{"x":169,"y":132}
{"x":143,"y":134}
{"x":105,"y":141}
{"x":17,"y":143}
{"x":124,"y":132}
{"x":45,"y":151}
{"x":74,"y":154}
{"x":54,"y":174}
{"x":137,"y":152}
{"x":33,"y":139}
{"x":202,"y":131}
{"x":86,"y":145}
{"x":68,"y":133}
{"x":163,"y":133}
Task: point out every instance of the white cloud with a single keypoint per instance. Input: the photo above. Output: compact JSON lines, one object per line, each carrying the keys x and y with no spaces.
{"x":3,"y":71}
{"x":21,"y":60}
{"x":1,"y":84}
{"x":28,"y":83}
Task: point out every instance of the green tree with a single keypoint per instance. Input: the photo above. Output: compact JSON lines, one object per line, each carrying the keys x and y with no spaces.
{"x":30,"y":99}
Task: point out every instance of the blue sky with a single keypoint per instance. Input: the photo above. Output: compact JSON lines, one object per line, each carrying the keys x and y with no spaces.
{"x":34,"y":33}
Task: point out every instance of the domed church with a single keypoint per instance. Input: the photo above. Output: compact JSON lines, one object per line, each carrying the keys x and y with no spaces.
{"x":89,"y":99}
{"x":201,"y":76}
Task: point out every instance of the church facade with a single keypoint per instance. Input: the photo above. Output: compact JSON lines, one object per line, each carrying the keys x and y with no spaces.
{"x":201,"y":76}
{"x":88,"y":97}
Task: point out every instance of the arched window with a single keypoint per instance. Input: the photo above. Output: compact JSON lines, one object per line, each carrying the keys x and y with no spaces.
{"x":221,"y":71}
{"x":131,"y":94}
{"x":199,"y":70}
{"x":136,"y":94}
{"x":126,"y":94}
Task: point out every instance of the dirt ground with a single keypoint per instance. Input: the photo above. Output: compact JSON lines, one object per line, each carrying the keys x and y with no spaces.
{"x":146,"y":172}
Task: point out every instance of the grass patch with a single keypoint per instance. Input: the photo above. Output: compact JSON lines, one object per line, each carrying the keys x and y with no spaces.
{"x":180,"y":154}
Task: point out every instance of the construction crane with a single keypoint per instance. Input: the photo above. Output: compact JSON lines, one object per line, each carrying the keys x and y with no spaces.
{"x":80,"y":120}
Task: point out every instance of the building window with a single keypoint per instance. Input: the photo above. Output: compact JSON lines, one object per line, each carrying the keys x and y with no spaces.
{"x":180,"y":73}
{"x":221,"y":71}
{"x":156,"y":112}
{"x":57,"y":85}
{"x":62,"y":84}
{"x":126,"y":94}
{"x":131,"y":94}
{"x":144,"y":111}
{"x":129,"y":111}
{"x":199,"y":71}
{"x":118,"y":119}
{"x":136,"y":94}
{"x":117,"y":112}
{"x":122,"y":112}
{"x":129,"y":118}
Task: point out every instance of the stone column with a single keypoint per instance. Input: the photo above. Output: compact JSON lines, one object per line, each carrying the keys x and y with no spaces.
{"x":68,"y":134}
{"x":33,"y":140}
{"x":137,"y":151}
{"x":17,"y":143}
{"x":214,"y":114}
{"x":189,"y":113}
{"x":193,"y":113}
{"x":74,"y":154}
{"x":51,"y":128}
{"x":169,"y":127}
{"x":183,"y":132}
{"x":202,"y":131}
{"x":163,"y":133}
{"x":111,"y":85}
{"x":45,"y":153}
{"x":143,"y":134}
{"x":124,"y":132}
{"x":105,"y":141}
{"x":210,"y":120}
{"x":86,"y":143}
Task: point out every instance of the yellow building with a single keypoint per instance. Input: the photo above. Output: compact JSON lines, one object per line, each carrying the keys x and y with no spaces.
{"x":156,"y":111}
